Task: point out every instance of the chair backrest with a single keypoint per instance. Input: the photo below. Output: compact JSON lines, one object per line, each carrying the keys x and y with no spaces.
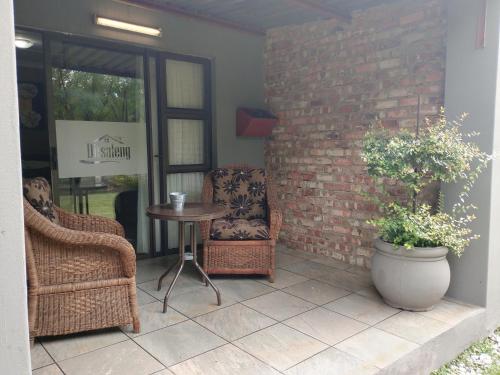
{"x":126,"y":213}
{"x":38,"y":193}
{"x":242,"y":189}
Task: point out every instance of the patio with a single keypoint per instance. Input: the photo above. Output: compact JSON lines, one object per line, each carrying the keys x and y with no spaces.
{"x":320,"y":316}
{"x":327,"y":70}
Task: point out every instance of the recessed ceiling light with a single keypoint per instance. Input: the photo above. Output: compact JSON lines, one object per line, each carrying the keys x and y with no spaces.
{"x":23,"y":43}
{"x":127,"y":26}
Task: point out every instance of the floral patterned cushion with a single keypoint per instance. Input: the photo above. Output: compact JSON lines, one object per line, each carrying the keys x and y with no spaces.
{"x":37,"y":193}
{"x":242,"y":190}
{"x":239,"y":229}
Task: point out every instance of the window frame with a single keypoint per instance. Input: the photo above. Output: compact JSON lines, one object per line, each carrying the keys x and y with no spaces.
{"x":165,"y":113}
{"x":174,"y":113}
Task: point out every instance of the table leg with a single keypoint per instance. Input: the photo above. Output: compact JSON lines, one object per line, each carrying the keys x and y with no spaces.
{"x":178,"y":263}
{"x":182,"y":260}
{"x":200,"y":270}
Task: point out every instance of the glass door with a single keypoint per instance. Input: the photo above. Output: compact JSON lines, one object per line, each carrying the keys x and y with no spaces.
{"x":99,"y":135}
{"x":184,"y":128}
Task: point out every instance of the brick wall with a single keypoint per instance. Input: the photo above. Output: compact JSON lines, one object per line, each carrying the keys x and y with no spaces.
{"x":327,"y":82}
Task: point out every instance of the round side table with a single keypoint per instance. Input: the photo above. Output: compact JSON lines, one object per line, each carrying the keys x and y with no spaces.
{"x":191,"y":214}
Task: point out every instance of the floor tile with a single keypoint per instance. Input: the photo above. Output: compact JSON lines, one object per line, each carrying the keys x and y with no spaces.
{"x":144,"y":298}
{"x":242,"y":289}
{"x":48,"y":370}
{"x":363,"y":309}
{"x":179,"y":342}
{"x":309,"y":269}
{"x":364,"y":272}
{"x":153,"y":318}
{"x":296,"y":253}
{"x":316,"y":292}
{"x":451,"y":312}
{"x":64,"y":347}
{"x":283,"y":259}
{"x":413,"y":327}
{"x":226,"y":360}
{"x":346,"y":280}
{"x":148,"y":272}
{"x":332,"y":362}
{"x":325,"y":325}
{"x":125,"y":358}
{"x":280,"y":346}
{"x":198,"y":302}
{"x":39,"y":356}
{"x":279,"y":305}
{"x":283,"y":279}
{"x":164,"y":372}
{"x":184,"y":284}
{"x":331,"y":262}
{"x":234,"y":321}
{"x":370,"y":292}
{"x":376,"y":347}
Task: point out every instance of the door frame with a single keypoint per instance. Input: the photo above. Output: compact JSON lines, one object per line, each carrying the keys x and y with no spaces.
{"x":165,"y":113}
{"x":48,"y":37}
{"x":160,"y":57}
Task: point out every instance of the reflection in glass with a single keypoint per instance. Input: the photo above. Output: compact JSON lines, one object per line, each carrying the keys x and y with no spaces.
{"x":97,"y":85}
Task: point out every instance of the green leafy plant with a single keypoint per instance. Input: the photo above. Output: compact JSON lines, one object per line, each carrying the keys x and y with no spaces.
{"x":124,"y":182}
{"x":440,"y":152}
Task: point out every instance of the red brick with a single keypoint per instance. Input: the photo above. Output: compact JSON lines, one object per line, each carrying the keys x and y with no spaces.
{"x":327,"y":87}
{"x":412,"y":18}
{"x":366,"y":68}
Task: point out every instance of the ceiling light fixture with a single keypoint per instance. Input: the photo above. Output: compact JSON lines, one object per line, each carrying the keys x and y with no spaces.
{"x":23,"y":43}
{"x":127,"y":26}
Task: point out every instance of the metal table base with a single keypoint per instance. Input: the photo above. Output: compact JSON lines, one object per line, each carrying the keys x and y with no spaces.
{"x":183,"y":257}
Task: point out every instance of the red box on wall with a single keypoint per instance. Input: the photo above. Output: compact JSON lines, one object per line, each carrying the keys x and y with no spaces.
{"x":253,"y":122}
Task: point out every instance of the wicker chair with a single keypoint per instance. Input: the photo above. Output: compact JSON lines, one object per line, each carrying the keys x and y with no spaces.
{"x":81,"y":273}
{"x":233,"y":255}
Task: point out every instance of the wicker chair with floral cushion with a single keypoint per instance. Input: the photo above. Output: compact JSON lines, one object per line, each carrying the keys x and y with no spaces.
{"x":244,"y":241}
{"x":81,"y":271}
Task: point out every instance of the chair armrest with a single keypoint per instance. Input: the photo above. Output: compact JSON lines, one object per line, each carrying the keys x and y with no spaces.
{"x":207,"y":196}
{"x":275,"y":215}
{"x":275,"y":221}
{"x":77,"y":244}
{"x":89,"y":223}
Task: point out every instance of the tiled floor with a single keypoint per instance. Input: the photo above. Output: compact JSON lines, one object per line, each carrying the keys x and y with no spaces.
{"x":319,"y":317}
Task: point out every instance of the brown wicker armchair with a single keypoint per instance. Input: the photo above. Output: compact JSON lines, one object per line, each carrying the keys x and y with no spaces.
{"x":244,"y":242}
{"x":81,"y":273}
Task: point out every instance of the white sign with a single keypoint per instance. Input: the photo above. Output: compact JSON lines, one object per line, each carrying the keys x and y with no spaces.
{"x":99,"y":148}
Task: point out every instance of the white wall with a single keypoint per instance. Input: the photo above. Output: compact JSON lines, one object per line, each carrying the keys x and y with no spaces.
{"x":472,"y":86}
{"x":14,"y":346}
{"x":237,"y":57}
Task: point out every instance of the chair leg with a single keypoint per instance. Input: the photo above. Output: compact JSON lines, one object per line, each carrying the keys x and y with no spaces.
{"x":136,"y":325}
{"x":134,"y":307}
{"x":271,"y":277}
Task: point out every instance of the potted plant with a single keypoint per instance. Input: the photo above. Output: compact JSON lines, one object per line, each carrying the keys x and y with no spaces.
{"x":409,"y":267}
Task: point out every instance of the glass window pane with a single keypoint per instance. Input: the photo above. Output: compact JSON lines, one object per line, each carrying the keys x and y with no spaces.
{"x":185,"y":142}
{"x":190,"y":183}
{"x":99,"y":111}
{"x":184,"y":84}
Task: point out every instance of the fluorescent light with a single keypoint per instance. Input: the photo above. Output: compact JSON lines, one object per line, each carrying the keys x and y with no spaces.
{"x":115,"y":24}
{"x":23,"y":43}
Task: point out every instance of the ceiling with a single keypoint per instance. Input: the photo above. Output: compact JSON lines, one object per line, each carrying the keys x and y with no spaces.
{"x":259,"y":15}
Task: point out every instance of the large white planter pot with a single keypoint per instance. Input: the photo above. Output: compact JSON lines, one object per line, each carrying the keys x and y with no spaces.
{"x":410,"y":279}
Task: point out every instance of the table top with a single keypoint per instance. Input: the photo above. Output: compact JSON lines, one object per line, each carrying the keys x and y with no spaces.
{"x":191,"y":212}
